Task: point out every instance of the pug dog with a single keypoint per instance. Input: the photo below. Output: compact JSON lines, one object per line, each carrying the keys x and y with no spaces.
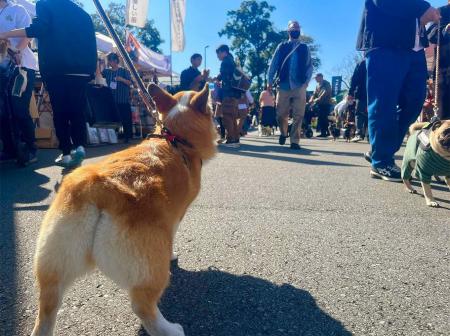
{"x":428,"y":153}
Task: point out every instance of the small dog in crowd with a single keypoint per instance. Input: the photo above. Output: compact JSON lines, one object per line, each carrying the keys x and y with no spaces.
{"x":266,"y":130}
{"x":121,"y":214}
{"x":428,"y":153}
{"x":349,"y":131}
{"x":334,"y":130}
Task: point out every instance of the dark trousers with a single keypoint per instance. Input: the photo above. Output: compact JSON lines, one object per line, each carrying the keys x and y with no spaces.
{"x":322,"y":122}
{"x":22,"y":124}
{"x":68,"y":99}
{"x":222,"y":128}
{"x":444,"y":88}
{"x":361,"y":117}
{"x":126,"y":118}
{"x":396,"y":87}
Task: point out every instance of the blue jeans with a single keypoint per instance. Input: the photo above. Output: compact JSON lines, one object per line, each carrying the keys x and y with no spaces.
{"x":396,"y":89}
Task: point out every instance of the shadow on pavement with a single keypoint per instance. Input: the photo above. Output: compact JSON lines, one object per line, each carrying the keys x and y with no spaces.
{"x":12,"y":193}
{"x":217,"y":303}
{"x":264,"y":152}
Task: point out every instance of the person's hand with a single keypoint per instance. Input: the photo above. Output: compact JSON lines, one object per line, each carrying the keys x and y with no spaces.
{"x":431,"y":15}
{"x":205,"y":74}
{"x":119,"y":79}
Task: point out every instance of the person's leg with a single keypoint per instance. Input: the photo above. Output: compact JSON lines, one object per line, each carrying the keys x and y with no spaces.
{"x":8,"y":150}
{"x":126,"y":118}
{"x":444,"y":89}
{"x":57,"y":91}
{"x":283,"y":111}
{"x":298,"y":107}
{"x":360,"y":118}
{"x":324,"y":111}
{"x":229,"y":111}
{"x":77,"y":106}
{"x":386,"y":71}
{"x":412,"y":95}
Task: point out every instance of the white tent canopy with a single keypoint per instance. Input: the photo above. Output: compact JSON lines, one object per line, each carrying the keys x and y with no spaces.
{"x":148,"y":59}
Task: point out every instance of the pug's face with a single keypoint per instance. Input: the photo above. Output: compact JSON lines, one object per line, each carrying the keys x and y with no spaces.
{"x":440,"y":138}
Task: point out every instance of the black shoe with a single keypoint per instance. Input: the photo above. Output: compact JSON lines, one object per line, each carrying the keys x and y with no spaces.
{"x":282,"y":140}
{"x":322,"y":136}
{"x":389,"y":173}
{"x":295,"y":146}
{"x":368,"y":156}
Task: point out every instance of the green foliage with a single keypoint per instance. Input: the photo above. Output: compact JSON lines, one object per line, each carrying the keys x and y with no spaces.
{"x":254,"y":38}
{"x":149,"y":36}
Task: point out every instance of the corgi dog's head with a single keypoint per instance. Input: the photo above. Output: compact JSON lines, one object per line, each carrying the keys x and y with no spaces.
{"x":440,"y":138}
{"x":188,"y":116}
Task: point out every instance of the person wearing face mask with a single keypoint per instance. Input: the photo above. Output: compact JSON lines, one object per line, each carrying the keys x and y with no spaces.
{"x":291,"y":69}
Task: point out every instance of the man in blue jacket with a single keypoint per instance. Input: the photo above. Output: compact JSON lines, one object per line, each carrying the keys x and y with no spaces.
{"x":393,"y":37}
{"x":67,"y":62}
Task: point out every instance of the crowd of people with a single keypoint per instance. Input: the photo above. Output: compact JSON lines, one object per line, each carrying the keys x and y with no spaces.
{"x":386,"y":94}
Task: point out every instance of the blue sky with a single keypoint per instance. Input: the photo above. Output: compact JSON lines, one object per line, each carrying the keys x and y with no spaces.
{"x":333,"y":23}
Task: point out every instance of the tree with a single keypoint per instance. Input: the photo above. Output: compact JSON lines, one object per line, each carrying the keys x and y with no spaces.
{"x":254,"y":38}
{"x":347,"y":66}
{"x":149,"y":36}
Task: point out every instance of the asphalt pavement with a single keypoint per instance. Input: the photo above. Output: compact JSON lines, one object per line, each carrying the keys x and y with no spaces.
{"x":277,"y":243}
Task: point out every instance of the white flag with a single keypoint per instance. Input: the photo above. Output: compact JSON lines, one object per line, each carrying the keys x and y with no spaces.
{"x":178,"y":13}
{"x":136,"y":14}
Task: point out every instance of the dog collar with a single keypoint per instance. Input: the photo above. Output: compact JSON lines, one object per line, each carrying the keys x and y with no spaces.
{"x":173,"y":139}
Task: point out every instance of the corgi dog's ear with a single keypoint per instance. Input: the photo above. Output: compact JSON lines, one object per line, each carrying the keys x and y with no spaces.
{"x":199,"y":101}
{"x":163,"y":100}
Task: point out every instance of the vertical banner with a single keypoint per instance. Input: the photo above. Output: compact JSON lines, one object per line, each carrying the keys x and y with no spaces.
{"x":177,"y":15}
{"x":136,"y":13}
{"x":336,"y":85}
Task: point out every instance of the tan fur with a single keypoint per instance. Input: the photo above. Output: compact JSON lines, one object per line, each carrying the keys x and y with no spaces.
{"x":121,"y":215}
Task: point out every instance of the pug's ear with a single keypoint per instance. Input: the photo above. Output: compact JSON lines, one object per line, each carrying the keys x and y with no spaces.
{"x":163,"y":100}
{"x":200,"y":100}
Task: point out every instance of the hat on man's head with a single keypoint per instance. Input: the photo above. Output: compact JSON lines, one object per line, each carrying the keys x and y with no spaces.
{"x":293,"y":25}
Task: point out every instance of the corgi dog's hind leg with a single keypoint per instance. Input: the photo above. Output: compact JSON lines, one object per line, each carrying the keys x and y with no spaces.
{"x":63,"y":254}
{"x":144,"y":303}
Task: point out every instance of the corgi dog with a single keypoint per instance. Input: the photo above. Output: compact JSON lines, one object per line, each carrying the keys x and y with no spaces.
{"x":120,"y":215}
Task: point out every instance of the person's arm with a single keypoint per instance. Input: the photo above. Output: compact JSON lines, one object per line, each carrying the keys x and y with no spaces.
{"x":273,"y":67}
{"x":403,"y":8}
{"x":23,"y":21}
{"x":126,"y":79}
{"x":41,"y":24}
{"x":355,"y":80}
{"x":309,"y":66}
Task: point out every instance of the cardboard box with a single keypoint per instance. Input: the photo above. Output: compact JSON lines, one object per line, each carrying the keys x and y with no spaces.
{"x":33,"y":107}
{"x":46,"y":138}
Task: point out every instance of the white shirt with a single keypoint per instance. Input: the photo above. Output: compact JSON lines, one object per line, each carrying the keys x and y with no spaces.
{"x":16,"y":17}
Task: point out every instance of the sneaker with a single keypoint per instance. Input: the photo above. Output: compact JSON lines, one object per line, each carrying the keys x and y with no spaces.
{"x":282,"y":140}
{"x":357,"y":138}
{"x":232,"y":144}
{"x":389,"y":173}
{"x":368,"y":156}
{"x":32,"y":158}
{"x":295,"y":146}
{"x":78,"y":156}
{"x":63,"y":160}
{"x":322,"y":136}
{"x":221,"y":141}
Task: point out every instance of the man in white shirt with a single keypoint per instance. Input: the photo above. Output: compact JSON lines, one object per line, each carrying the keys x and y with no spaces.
{"x":13,"y":16}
